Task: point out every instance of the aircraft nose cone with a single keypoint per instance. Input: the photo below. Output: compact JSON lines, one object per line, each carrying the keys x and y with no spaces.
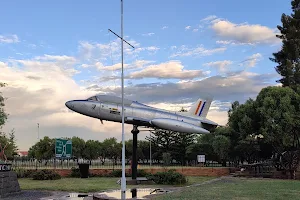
{"x":69,"y":104}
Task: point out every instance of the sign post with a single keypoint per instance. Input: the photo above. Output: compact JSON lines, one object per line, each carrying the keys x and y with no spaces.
{"x":63,"y":148}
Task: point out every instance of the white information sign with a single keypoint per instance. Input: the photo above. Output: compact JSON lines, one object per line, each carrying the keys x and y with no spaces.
{"x":201,"y":158}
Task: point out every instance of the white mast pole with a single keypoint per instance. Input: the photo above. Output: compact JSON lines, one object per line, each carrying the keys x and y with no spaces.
{"x":123,"y":181}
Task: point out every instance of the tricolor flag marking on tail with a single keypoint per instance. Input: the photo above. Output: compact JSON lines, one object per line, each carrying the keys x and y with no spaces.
{"x":200,"y":108}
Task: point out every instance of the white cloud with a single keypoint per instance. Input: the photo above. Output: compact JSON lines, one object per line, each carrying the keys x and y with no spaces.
{"x":37,"y":92}
{"x":198,"y":51}
{"x":135,"y":65}
{"x":187,"y":27}
{"x":112,"y":51}
{"x":148,"y":34}
{"x":32,"y":46}
{"x":230,"y":87}
{"x":195,"y":30}
{"x":114,"y":67}
{"x":9,"y":38}
{"x":36,"y":86}
{"x":164,"y":27}
{"x":62,"y":58}
{"x":85,"y":65}
{"x":223,"y":42}
{"x":222,"y":66}
{"x":209,"y":18}
{"x":152,"y":48}
{"x":244,"y":33}
{"x":220,"y":117}
{"x":72,"y":72}
{"x":171,"y":69}
{"x":251,"y":61}
{"x":86,"y":49}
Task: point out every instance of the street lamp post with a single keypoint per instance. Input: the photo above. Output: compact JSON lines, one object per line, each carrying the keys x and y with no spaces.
{"x":38,"y":136}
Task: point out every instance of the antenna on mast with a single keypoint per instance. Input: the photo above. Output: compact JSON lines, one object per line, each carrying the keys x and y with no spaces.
{"x":123,"y":180}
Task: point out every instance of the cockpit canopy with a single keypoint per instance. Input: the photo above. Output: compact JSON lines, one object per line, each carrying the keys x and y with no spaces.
{"x":93,"y":98}
{"x":109,"y":99}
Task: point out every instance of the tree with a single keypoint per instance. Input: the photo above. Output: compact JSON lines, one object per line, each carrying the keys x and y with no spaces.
{"x":221,"y":146}
{"x":180,"y":147}
{"x":111,"y":149}
{"x":92,"y":149}
{"x":244,"y":125}
{"x":10,"y":145}
{"x":202,"y":146}
{"x":3,"y":115}
{"x":128,"y":150}
{"x":163,"y":141}
{"x":13,"y":145}
{"x":278,"y":110}
{"x":144,"y":146}
{"x":43,"y":149}
{"x":288,"y":58}
{"x":78,"y":147}
{"x":8,"y":141}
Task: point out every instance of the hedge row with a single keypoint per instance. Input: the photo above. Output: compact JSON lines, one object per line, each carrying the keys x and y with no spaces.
{"x":170,"y":177}
{"x":44,"y":174}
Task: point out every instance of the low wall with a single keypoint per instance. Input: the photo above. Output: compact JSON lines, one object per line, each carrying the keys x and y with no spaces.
{"x":187,"y":171}
{"x":8,"y":183}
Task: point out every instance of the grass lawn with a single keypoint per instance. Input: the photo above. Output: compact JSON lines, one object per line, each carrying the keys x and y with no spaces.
{"x":240,"y":189}
{"x":86,"y":185}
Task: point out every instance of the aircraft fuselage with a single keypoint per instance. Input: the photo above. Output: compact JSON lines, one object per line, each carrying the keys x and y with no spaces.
{"x":110,"y":109}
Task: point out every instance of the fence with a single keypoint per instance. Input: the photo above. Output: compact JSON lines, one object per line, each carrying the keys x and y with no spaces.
{"x":98,"y":164}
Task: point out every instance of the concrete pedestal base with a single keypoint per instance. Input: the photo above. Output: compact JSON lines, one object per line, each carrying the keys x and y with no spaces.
{"x":8,"y":183}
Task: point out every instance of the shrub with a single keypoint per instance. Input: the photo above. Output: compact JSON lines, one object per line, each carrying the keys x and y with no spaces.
{"x":142,"y":173}
{"x":166,"y":159}
{"x":75,"y":172}
{"x":24,"y":173}
{"x":46,"y":175}
{"x":170,"y":177}
{"x":117,"y":173}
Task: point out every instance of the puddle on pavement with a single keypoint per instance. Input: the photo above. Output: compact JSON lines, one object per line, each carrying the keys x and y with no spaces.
{"x":141,"y":193}
{"x":71,"y":196}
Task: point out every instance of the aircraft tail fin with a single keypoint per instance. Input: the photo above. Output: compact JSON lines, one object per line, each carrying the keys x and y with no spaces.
{"x":200,"y":107}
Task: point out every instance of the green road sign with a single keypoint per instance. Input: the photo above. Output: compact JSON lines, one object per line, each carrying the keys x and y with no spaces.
{"x":63,"y":148}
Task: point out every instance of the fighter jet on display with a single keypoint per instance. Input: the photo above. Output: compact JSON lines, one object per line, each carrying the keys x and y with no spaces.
{"x":109,"y":108}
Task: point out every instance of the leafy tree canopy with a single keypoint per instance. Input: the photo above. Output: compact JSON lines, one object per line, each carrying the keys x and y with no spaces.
{"x":288,"y":58}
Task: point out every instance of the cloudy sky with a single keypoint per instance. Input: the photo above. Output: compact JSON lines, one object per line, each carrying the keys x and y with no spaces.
{"x":54,"y":51}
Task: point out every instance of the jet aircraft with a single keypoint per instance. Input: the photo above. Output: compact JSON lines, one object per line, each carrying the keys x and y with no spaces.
{"x":109,"y":108}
